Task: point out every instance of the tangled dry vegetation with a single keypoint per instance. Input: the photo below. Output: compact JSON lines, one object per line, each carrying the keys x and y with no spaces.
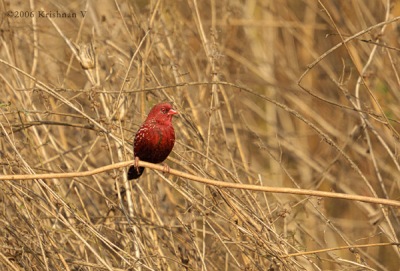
{"x":262,"y":88}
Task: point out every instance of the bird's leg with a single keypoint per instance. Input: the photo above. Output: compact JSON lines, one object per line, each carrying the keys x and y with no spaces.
{"x":136,"y":164}
{"x":166,"y":168}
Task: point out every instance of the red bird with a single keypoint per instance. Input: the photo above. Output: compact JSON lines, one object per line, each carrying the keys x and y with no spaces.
{"x":155,"y":138}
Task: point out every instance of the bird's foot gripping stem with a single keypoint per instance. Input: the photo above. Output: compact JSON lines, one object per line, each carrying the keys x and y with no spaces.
{"x":166,"y":168}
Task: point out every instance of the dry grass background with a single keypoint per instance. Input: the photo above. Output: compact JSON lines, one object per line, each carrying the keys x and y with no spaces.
{"x":56,"y":117}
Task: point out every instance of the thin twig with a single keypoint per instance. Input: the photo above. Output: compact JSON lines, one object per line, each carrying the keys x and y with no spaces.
{"x":220,"y":184}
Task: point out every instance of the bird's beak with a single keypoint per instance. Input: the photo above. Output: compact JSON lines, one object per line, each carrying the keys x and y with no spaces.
{"x":172,"y":112}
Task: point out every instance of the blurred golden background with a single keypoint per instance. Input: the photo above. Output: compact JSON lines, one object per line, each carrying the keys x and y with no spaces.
{"x":284,"y":93}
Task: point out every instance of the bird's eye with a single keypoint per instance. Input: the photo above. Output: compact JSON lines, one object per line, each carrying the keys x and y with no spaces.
{"x":163,"y":110}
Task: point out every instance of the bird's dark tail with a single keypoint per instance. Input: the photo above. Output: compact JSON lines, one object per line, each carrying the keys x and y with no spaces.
{"x":134,"y":173}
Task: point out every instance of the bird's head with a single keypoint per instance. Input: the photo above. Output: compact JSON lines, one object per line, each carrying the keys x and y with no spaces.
{"x":162,"y":113}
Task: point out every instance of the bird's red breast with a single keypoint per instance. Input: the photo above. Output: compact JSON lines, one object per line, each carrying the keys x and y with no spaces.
{"x":155,"y":138}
